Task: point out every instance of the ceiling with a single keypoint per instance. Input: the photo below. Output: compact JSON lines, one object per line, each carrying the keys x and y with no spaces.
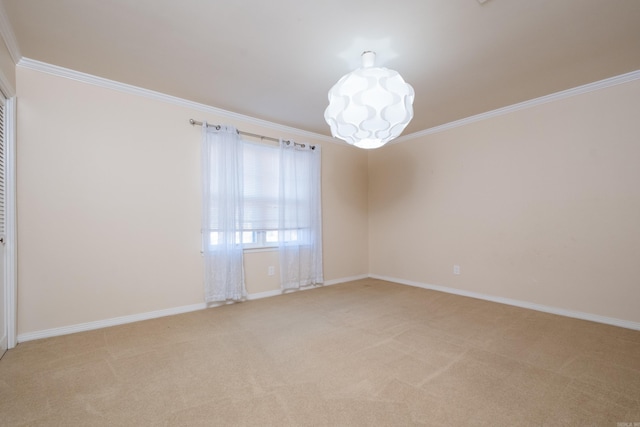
{"x":275,"y":60}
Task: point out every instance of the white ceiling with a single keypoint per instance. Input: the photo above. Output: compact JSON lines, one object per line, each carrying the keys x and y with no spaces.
{"x":276,"y":60}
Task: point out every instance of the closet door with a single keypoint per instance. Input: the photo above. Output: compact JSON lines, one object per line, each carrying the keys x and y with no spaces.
{"x":3,"y":282}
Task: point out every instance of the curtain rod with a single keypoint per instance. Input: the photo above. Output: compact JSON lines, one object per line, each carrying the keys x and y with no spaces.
{"x":255,"y":135}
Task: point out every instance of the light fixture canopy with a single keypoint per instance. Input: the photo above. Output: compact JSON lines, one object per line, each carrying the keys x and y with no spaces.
{"x":369,"y":106}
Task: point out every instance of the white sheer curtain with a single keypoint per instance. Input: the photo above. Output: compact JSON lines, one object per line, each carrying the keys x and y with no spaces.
{"x":222,"y":213}
{"x":300,"y":216}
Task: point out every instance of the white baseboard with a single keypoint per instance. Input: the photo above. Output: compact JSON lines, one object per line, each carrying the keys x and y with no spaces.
{"x":64,"y":330}
{"x":81,"y":327}
{"x":345,"y":279}
{"x":265,"y":294}
{"x":277,"y":292}
{"x":517,"y":303}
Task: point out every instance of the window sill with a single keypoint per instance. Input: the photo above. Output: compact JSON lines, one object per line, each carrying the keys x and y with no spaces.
{"x":261,"y":249}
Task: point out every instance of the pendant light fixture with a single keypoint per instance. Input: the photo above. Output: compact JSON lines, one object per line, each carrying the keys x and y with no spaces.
{"x":369,"y":106}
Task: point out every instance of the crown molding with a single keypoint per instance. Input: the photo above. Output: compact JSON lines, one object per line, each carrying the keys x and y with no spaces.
{"x":6,"y":31}
{"x":207,"y":109}
{"x":78,"y":76}
{"x":590,"y":87}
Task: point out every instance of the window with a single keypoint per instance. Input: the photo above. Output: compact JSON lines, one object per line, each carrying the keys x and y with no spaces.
{"x":261,"y":189}
{"x":261,"y":193}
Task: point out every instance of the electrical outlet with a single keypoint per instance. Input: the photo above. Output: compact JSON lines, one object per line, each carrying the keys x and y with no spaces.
{"x":271,"y":270}
{"x":456,"y":269}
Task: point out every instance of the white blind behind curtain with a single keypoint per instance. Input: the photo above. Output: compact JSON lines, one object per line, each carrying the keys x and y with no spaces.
{"x":255,"y":187}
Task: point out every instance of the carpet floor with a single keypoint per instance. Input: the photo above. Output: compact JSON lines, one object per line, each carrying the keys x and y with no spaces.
{"x":362,"y":353}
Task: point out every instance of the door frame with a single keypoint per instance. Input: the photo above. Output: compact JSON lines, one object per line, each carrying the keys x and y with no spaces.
{"x":8,"y":87}
{"x":10,"y":249}
{"x":9,"y":285}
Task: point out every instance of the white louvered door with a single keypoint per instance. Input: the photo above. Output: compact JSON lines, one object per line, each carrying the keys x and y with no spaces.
{"x":3,"y":315}
{"x":3,"y":229}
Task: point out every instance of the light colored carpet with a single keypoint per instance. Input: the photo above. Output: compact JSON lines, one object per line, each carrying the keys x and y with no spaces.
{"x":357,"y":354}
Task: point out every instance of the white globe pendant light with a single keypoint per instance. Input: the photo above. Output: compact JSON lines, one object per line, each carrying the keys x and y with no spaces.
{"x":369,"y":106}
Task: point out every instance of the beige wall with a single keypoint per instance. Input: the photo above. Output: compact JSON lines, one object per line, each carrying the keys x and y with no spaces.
{"x":109,"y":205}
{"x":7,"y":66}
{"x":540,"y":205}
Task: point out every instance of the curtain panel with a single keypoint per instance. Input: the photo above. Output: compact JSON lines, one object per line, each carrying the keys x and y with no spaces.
{"x":222,"y":214}
{"x":300,"y":216}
